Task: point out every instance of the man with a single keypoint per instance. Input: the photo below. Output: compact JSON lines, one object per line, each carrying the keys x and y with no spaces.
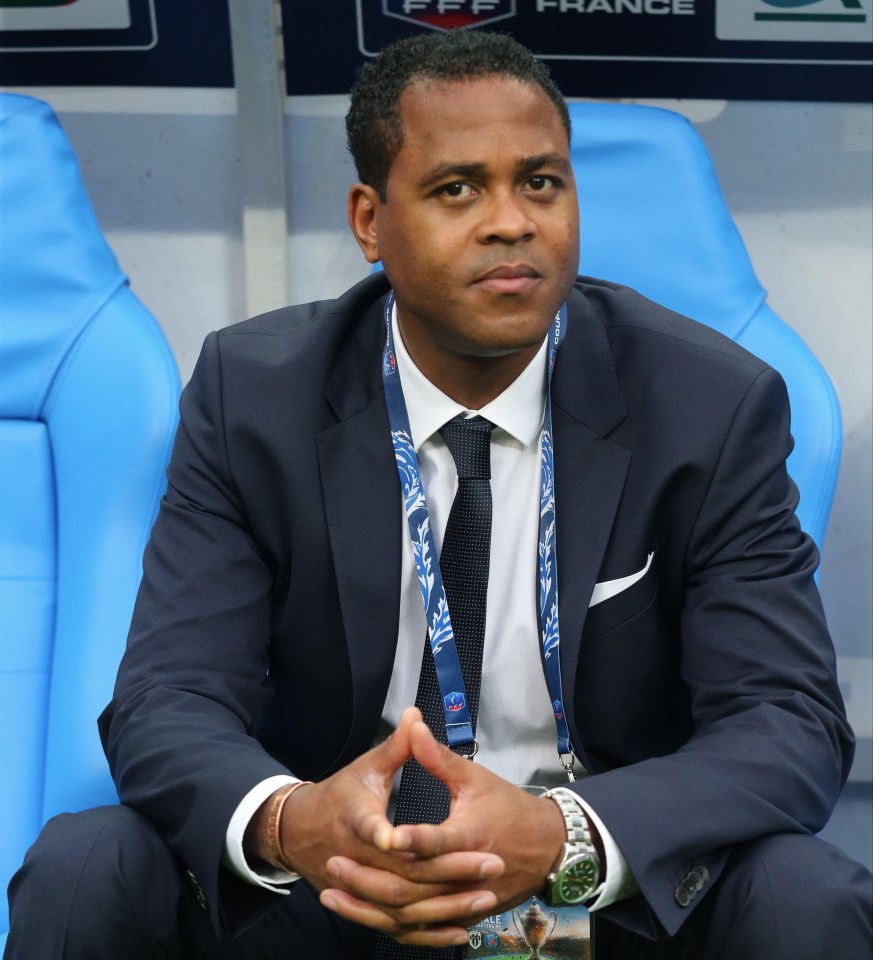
{"x":280,"y":632}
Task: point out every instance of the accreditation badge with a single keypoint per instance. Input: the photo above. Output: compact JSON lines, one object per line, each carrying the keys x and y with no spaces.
{"x":534,"y":931}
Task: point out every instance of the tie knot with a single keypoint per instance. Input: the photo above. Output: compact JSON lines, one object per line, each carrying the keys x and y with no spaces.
{"x":469,"y":441}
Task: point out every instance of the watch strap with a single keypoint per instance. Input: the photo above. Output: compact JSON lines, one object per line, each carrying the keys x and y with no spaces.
{"x":578,"y":843}
{"x":575,"y":819}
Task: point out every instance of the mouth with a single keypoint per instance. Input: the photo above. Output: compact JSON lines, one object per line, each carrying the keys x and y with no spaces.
{"x":509,"y":278}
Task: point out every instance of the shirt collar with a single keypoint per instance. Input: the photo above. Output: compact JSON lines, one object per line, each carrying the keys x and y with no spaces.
{"x":518,"y":409}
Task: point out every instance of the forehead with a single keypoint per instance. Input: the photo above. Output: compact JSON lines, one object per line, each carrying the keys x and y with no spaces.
{"x":482,"y":115}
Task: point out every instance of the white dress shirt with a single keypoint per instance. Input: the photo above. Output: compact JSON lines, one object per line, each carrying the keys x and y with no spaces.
{"x":515,"y":727}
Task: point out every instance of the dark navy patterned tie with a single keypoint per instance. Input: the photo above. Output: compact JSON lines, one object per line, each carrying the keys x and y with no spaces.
{"x":464,"y":562}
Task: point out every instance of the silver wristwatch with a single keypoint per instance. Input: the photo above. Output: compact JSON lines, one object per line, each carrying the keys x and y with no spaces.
{"x":576,"y":875}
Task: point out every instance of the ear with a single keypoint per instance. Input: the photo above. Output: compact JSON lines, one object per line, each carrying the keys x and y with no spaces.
{"x":364,"y":204}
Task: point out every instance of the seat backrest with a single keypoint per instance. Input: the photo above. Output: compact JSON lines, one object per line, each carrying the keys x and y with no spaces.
{"x":653,"y":217}
{"x":88,"y":406}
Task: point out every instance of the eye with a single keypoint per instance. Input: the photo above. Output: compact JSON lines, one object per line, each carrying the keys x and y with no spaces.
{"x":541,"y":183}
{"x":456,"y":191}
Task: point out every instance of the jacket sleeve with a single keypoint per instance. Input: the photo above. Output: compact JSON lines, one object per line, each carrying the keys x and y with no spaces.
{"x":179,"y":731}
{"x":771,"y":746}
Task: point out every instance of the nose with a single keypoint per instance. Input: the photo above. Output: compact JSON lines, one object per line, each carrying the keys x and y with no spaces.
{"x":506,"y":219}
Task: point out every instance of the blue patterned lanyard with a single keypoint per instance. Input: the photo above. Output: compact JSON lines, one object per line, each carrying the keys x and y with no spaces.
{"x":459,"y":725}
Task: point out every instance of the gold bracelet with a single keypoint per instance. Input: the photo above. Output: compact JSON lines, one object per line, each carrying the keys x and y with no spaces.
{"x":274,"y":824}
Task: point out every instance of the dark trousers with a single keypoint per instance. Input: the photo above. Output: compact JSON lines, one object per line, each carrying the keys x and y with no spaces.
{"x":103,"y":885}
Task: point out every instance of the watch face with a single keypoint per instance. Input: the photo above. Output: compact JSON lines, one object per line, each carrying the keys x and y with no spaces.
{"x":579,"y":880}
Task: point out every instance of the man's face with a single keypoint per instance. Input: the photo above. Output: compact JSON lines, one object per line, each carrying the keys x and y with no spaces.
{"x":479,"y":232}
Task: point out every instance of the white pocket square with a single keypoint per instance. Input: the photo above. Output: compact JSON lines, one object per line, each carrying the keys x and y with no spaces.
{"x":609,"y":588}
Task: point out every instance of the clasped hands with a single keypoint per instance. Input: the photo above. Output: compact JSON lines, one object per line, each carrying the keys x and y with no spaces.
{"x":421,"y":884}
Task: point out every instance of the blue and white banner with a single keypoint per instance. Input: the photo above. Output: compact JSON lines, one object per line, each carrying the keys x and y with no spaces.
{"x":795,"y":21}
{"x":724,"y":49}
{"x":50,"y":15}
{"x":158,"y":43}
{"x":47,"y":26}
{"x":745,"y":49}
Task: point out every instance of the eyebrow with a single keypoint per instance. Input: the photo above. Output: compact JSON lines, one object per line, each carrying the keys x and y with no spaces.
{"x":556,"y":160}
{"x":464,"y":171}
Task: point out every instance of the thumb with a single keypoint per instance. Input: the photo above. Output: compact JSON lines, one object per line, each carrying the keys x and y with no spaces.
{"x":453,"y":769}
{"x":457,"y":833}
{"x":390,"y":755}
{"x":375,"y":771}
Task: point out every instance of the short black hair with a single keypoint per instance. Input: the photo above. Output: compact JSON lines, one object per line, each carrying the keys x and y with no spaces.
{"x":374,"y":131}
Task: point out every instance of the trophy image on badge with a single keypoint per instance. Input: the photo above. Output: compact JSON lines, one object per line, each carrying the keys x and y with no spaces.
{"x":535,"y":928}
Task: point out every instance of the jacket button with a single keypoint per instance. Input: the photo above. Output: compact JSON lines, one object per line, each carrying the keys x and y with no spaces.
{"x":693,"y":883}
{"x":683,"y":895}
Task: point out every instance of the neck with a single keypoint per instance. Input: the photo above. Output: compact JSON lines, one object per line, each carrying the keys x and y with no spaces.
{"x":474,"y":381}
{"x":468,"y":379}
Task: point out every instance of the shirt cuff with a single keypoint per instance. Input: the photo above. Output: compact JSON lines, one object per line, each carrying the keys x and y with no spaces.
{"x":620,"y":882}
{"x":234,"y":857}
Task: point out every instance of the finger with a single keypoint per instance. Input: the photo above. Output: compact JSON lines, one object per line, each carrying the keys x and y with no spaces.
{"x":410,"y":715}
{"x":382,"y":888}
{"x":372,"y":827}
{"x":430,"y":840}
{"x":421,"y":935}
{"x":463,"y":867}
{"x":426,"y":842}
{"x":439,"y":921}
{"x":406,"y":882}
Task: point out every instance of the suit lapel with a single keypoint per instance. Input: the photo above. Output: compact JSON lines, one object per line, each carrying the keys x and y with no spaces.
{"x":589,"y":476}
{"x":360,"y":488}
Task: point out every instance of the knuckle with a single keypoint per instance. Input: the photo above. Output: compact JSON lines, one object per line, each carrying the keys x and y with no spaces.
{"x":396,"y":894}
{"x":437,"y":843}
{"x":430,"y":842}
{"x":413,"y":934}
{"x":403,"y":920}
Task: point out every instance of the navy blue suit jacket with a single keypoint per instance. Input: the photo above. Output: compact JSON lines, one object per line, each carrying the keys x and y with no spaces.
{"x":702,"y":700}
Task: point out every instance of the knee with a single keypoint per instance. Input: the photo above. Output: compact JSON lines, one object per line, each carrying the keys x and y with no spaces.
{"x":98,"y":841}
{"x":57,"y":856}
{"x":75,"y":875}
{"x":805,"y":874}
{"x":799,"y":897}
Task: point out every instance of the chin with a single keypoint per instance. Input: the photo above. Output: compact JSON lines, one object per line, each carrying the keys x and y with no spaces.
{"x":520,"y":333}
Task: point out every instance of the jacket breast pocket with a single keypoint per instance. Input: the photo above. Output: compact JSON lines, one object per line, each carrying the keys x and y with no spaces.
{"x":623,"y":606}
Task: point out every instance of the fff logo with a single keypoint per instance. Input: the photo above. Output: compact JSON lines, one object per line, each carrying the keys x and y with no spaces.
{"x":449,"y":14}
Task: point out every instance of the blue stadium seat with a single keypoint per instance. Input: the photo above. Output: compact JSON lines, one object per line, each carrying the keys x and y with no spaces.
{"x":88,"y":406}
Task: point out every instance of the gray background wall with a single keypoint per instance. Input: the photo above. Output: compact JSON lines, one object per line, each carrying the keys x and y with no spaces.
{"x":162,"y":167}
